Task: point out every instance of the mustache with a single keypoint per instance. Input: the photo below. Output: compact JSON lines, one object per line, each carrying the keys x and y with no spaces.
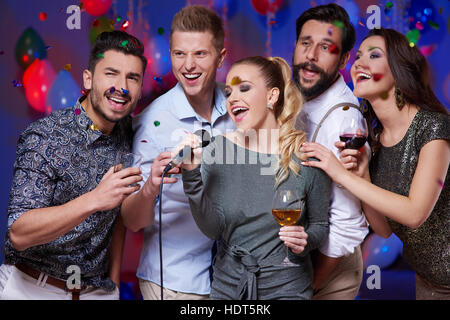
{"x":309,"y":65}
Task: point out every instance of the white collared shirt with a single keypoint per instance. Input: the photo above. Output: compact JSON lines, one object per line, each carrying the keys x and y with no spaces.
{"x":186,"y":250}
{"x":348,"y":225}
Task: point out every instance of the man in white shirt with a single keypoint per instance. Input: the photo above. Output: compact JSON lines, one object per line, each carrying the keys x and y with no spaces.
{"x":324,"y":40}
{"x":196,"y":102}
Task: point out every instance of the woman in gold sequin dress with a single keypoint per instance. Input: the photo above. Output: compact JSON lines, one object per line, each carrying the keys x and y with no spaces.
{"x":410,"y":132}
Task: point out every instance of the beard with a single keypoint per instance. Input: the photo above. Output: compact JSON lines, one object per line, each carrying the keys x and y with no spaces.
{"x":325,"y":80}
{"x":96,"y":96}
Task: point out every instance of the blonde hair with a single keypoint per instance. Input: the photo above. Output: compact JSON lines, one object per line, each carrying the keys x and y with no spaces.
{"x":199,"y":19}
{"x":277,"y":74}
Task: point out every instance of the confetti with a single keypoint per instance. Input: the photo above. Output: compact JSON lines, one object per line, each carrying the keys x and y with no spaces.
{"x":156,"y":123}
{"x":419,"y":25}
{"x":158,"y":79}
{"x":339,"y":24}
{"x":272,"y":22}
{"x":374,"y":123}
{"x":84,"y":92}
{"x":235,"y":81}
{"x":330,"y":31}
{"x":427,"y":50}
{"x":427,"y":11}
{"x":112,"y":90}
{"x":345,"y":108}
{"x":144,"y":141}
{"x":441,"y":183}
{"x":100,"y":55}
{"x":434,"y":25}
{"x":93,"y":127}
{"x":125,"y":25}
{"x":160,"y":31}
{"x":95,"y":23}
{"x":334,"y":49}
{"x":361,"y":24}
{"x":440,"y":10}
{"x":42,"y":16}
{"x":413,"y":36}
{"x":125,"y":91}
{"x":384,"y":95}
{"x":77,"y":111}
{"x":16,"y":83}
{"x":377,"y":77}
{"x":388,"y":8}
{"x":124,"y":43}
{"x":118,"y":18}
{"x":67,"y":67}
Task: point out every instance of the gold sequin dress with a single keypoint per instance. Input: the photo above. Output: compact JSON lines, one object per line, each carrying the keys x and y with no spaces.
{"x":427,"y":248}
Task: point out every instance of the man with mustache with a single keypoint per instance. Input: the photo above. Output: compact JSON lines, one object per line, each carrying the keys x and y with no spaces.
{"x":324,"y":40}
{"x":65,"y":236}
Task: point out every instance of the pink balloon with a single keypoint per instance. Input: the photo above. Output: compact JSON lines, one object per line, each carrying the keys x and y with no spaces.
{"x":37,"y":80}
{"x":96,"y":7}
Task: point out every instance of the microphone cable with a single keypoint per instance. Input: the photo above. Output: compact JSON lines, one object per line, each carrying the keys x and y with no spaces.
{"x":166,"y":169}
{"x":206,"y":139}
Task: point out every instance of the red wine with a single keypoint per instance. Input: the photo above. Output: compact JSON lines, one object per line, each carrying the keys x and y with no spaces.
{"x":352,"y":141}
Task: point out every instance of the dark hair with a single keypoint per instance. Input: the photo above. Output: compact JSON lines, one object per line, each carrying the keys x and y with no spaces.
{"x":411,"y":74}
{"x":330,"y":13}
{"x":118,"y":41}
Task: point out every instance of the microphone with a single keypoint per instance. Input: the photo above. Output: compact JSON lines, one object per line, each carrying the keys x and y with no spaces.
{"x":187,"y":150}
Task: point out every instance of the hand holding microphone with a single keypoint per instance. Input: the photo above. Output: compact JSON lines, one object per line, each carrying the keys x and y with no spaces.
{"x":189,"y":155}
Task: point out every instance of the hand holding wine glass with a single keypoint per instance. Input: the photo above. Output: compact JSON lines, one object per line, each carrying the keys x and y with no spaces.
{"x":286,"y":209}
{"x":353,"y":131}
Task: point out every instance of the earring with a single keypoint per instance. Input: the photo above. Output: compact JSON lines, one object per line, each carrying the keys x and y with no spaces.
{"x":270,"y":106}
{"x":399,"y":99}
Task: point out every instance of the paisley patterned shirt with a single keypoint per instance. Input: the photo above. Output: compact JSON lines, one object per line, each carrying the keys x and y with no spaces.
{"x":60,"y":158}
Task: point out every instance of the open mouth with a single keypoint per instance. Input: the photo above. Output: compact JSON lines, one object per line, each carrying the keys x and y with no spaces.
{"x":116,"y":102}
{"x":308,"y":72}
{"x":361,"y":76}
{"x":239,"y":112}
{"x":192,"y":76}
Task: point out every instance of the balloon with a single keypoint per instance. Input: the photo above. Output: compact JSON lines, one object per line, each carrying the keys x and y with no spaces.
{"x":158,"y":56}
{"x":29,"y":47}
{"x":64,"y":92}
{"x":37,"y":80}
{"x":380,"y":251}
{"x":96,"y":7}
{"x":126,"y":291}
{"x":265,"y":6}
{"x":100,"y":25}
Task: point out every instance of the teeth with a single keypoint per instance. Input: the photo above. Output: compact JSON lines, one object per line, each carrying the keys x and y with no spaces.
{"x":117,"y":100}
{"x":238,"y":109}
{"x":364,"y":75}
{"x":192,"y":76}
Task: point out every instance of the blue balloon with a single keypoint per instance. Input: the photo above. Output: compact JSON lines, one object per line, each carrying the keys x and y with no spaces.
{"x":380,"y":251}
{"x":63,"y":93}
{"x":126,"y":291}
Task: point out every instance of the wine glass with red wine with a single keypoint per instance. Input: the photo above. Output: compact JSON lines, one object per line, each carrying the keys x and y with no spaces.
{"x":353,"y":131}
{"x":286,"y":209}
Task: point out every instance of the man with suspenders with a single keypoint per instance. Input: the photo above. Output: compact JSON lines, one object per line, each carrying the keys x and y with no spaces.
{"x":324,"y":40}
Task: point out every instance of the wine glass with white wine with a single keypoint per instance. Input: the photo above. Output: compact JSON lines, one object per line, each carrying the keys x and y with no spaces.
{"x":286,"y":209}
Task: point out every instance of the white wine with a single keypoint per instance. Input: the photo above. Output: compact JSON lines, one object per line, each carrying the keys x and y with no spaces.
{"x":286,"y":217}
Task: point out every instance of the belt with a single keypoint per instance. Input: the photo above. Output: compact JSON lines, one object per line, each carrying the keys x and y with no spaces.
{"x":248,"y":288}
{"x":61,"y":284}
